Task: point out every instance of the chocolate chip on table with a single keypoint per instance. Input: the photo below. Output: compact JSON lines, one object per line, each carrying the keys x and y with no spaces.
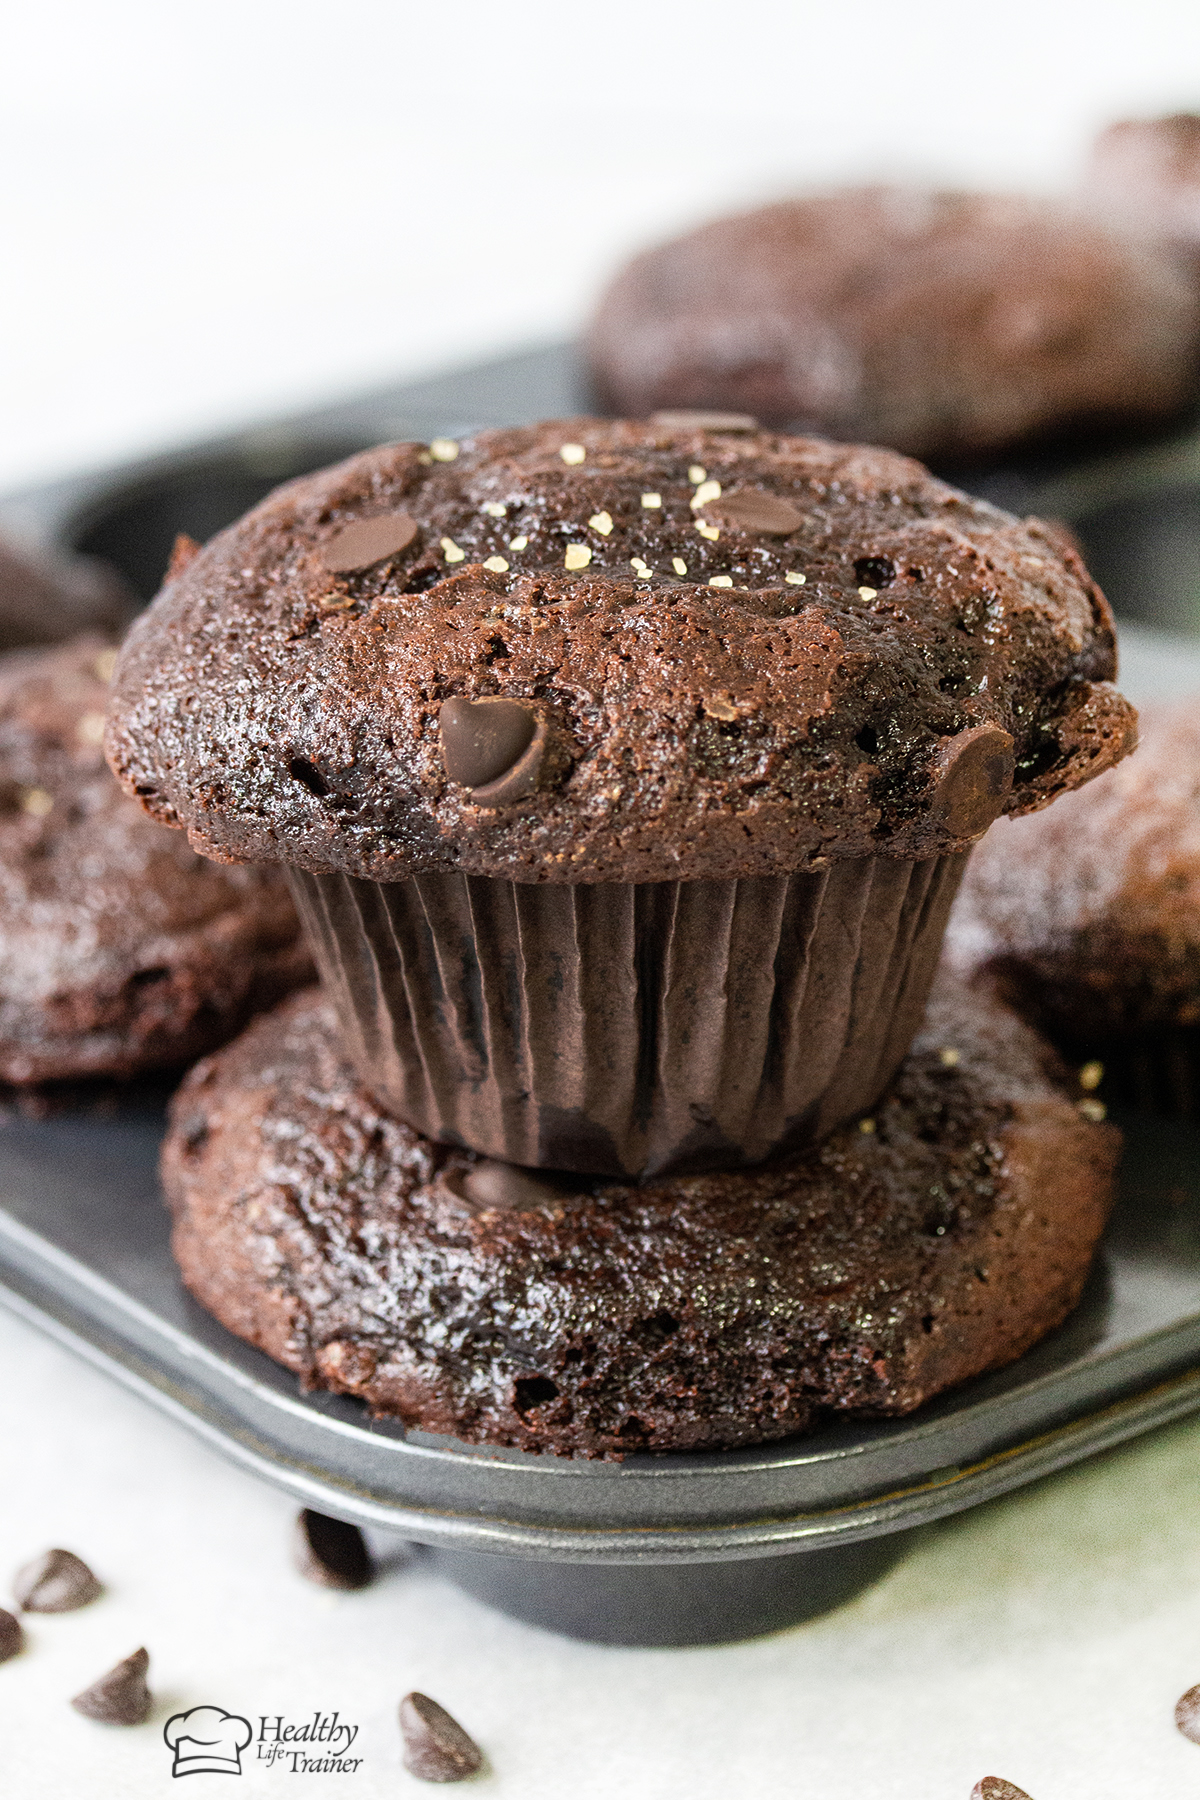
{"x":484,"y":740}
{"x":766,"y":514}
{"x":332,"y":1553}
{"x":994,"y":1787}
{"x":56,"y":1581}
{"x":973,"y":776}
{"x":121,"y":1697}
{"x":11,"y":1635}
{"x":436,"y":1748}
{"x":1187,"y":1714}
{"x":683,"y":420}
{"x":368,"y":541}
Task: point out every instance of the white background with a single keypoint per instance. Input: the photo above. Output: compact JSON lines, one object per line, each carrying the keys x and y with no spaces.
{"x":212,"y":209}
{"x":213,"y":212}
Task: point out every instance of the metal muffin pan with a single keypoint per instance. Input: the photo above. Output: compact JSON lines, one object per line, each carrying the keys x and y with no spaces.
{"x":666,"y":1549}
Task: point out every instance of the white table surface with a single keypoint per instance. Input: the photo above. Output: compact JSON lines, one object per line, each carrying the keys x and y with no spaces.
{"x":215,"y":212}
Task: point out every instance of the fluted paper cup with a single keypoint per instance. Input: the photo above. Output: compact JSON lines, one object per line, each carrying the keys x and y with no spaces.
{"x":631,"y":1030}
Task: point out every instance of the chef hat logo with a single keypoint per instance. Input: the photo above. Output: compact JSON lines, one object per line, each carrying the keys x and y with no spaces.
{"x":207,"y":1740}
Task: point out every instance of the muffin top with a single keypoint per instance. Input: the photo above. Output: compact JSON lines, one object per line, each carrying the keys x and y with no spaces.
{"x":591,"y":651}
{"x":948,"y":325}
{"x":1089,"y":917}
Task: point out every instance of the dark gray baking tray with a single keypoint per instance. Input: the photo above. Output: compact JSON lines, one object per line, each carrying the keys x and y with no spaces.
{"x":659,"y":1549}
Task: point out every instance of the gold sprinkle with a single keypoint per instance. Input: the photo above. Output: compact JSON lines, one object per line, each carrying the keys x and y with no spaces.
{"x":90,"y":729}
{"x":718,"y":708}
{"x":105,"y":663}
{"x":518,"y":543}
{"x":37,"y":802}
{"x":424,"y":457}
{"x":651,"y":501}
{"x":572,"y":454}
{"x":1091,"y":1075}
{"x":720,"y":581}
{"x":711,"y":532}
{"x":708,"y":490}
{"x":493,"y":509}
{"x":615,"y":793}
{"x":679,"y":566}
{"x":697,"y":474}
{"x":496,"y":564}
{"x":451,"y":551}
{"x":867,"y":1125}
{"x":443,"y":449}
{"x":1095,"y":1110}
{"x":948,"y":1057}
{"x":867,"y":593}
{"x":601,"y":522}
{"x":578,"y":557}
{"x":795,"y":577}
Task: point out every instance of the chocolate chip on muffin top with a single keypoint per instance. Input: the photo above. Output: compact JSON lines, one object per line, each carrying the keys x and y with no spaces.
{"x":592,"y":651}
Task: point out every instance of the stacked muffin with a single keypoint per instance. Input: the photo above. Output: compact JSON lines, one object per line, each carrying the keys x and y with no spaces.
{"x":624,"y":775}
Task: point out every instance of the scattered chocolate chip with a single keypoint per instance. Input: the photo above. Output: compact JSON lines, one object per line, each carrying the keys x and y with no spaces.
{"x":368,"y":541}
{"x":332,"y":1553}
{"x":994,"y":1787}
{"x":766,"y":514}
{"x":704,"y":421}
{"x":436,"y":1748}
{"x":121,"y":1697}
{"x":184,"y":550}
{"x":11,"y":1635}
{"x":56,"y":1581}
{"x":494,"y":747}
{"x":1187,"y":1714}
{"x":972,"y":777}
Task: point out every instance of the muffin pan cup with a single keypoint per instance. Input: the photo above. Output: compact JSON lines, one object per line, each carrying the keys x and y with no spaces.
{"x":631,"y":1030}
{"x":670,"y":1549}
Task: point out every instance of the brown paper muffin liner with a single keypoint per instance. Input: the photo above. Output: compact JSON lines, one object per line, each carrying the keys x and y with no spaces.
{"x":1158,"y":1073}
{"x":631,"y":1029}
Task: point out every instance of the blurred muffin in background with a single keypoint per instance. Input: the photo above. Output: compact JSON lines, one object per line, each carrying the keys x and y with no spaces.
{"x":951,"y":326}
{"x":45,"y":598}
{"x":1147,"y":172}
{"x":121,"y":950}
{"x":1086,"y":918}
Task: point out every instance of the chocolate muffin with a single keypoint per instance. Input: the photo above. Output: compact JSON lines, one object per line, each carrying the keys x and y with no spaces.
{"x":45,"y":598}
{"x":1087,"y":918}
{"x":120,"y":949}
{"x":936,"y":1238}
{"x":1147,"y":172}
{"x":952,"y":326}
{"x":624,"y":772}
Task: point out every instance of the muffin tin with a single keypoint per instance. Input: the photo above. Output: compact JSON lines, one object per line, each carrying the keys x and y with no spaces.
{"x":659,"y":1549}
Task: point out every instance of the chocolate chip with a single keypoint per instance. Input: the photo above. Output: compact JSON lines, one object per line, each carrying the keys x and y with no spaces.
{"x":498,"y":1187}
{"x":704,"y":421}
{"x":972,"y":776}
{"x":368,"y":541}
{"x":184,"y":550}
{"x":494,"y":747}
{"x":121,"y":1697}
{"x":1187,"y":1714}
{"x":766,"y":514}
{"x":436,"y":1748}
{"x":11,"y":1635}
{"x":57,"y":1581}
{"x":994,"y":1787}
{"x":332,"y":1553}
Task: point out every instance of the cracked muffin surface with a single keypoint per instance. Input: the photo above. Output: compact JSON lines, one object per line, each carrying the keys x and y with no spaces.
{"x":595,"y":651}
